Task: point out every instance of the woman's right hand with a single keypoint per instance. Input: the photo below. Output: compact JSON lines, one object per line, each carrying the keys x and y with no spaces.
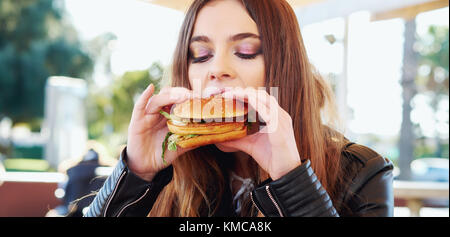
{"x":148,"y":129}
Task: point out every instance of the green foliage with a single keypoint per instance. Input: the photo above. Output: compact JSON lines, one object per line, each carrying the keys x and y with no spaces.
{"x":422,"y":150}
{"x":436,"y":51}
{"x":35,"y":43}
{"x":32,"y":152}
{"x":110,"y":109}
{"x":27,"y":165}
{"x":433,"y":83}
{"x":433,"y":50}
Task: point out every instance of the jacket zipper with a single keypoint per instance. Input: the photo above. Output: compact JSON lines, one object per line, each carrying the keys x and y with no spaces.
{"x":114,"y":192}
{"x":273,"y":201}
{"x":271,"y":198}
{"x":254,"y":204}
{"x":129,"y":204}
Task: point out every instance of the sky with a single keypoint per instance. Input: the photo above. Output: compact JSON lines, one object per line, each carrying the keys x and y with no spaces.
{"x":147,"y":33}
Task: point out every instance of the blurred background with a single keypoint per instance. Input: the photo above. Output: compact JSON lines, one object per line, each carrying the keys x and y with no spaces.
{"x":70,"y":71}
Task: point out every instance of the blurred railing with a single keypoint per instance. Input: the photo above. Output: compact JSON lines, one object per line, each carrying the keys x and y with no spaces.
{"x":416,"y":192}
{"x":33,"y":193}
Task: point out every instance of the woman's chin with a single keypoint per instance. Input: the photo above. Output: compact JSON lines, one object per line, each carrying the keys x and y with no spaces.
{"x":226,"y":149}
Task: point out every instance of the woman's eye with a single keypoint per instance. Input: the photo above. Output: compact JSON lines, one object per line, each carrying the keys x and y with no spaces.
{"x":199,"y":54}
{"x":200,"y":59}
{"x":205,"y":58}
{"x":247,"y":56}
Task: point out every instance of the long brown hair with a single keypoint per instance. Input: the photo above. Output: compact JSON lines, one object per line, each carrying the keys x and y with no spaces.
{"x":199,"y":176}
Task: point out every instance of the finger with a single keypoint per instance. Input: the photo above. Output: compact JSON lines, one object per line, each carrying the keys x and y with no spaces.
{"x":211,"y":91}
{"x":257,"y":100}
{"x":143,"y":99}
{"x":241,"y":94}
{"x":244,"y":144}
{"x":266,"y":105}
{"x":170,"y":156}
{"x":173,"y":95}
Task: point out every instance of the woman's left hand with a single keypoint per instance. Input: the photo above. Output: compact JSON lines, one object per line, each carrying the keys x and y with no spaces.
{"x":274,"y":147}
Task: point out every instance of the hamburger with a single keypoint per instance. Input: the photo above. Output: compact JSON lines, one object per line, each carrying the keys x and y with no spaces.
{"x":204,"y":121}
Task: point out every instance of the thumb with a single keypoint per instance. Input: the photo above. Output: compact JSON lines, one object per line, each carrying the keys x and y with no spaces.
{"x":243,"y":144}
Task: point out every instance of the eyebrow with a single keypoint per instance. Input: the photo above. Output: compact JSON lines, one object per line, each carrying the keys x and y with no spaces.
{"x":241,"y":36}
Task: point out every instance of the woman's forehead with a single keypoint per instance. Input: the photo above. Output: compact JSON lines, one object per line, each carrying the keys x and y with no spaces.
{"x":219,"y":20}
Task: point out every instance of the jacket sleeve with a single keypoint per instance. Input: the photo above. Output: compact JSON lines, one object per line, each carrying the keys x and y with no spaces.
{"x":300,"y":194}
{"x":375,"y":198}
{"x":126,"y":194}
{"x":371,"y":192}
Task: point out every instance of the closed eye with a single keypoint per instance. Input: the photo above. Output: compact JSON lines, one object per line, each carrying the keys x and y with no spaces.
{"x":247,"y":56}
{"x":240,"y":55}
{"x":201,"y":59}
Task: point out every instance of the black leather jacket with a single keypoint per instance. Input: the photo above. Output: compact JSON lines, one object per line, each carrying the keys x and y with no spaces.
{"x":367,"y":191}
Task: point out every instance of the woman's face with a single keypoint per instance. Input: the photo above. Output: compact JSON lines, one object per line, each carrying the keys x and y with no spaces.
{"x":225,"y":49}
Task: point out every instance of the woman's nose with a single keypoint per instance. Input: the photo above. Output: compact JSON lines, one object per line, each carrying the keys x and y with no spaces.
{"x":220,"y":69}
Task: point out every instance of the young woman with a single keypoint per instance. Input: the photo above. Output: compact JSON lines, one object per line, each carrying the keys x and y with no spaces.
{"x":304,"y":167}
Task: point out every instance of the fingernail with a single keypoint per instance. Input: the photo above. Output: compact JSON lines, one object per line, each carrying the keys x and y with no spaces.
{"x":211,"y":91}
{"x":189,"y":95}
{"x":227,"y":94}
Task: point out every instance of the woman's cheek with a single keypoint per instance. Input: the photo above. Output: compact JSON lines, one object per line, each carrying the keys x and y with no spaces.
{"x":196,"y":77}
{"x":254,"y":74}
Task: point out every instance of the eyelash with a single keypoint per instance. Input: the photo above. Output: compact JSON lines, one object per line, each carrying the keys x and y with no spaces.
{"x":240,"y":55}
{"x":200,"y":59}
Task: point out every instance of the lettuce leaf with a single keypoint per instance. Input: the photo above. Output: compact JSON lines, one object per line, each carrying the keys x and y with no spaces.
{"x":191,"y":136}
{"x":164,"y":145}
{"x":170,"y":143}
{"x":165,"y":114}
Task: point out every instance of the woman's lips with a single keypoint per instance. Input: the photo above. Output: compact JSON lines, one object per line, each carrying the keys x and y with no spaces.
{"x":212,"y":91}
